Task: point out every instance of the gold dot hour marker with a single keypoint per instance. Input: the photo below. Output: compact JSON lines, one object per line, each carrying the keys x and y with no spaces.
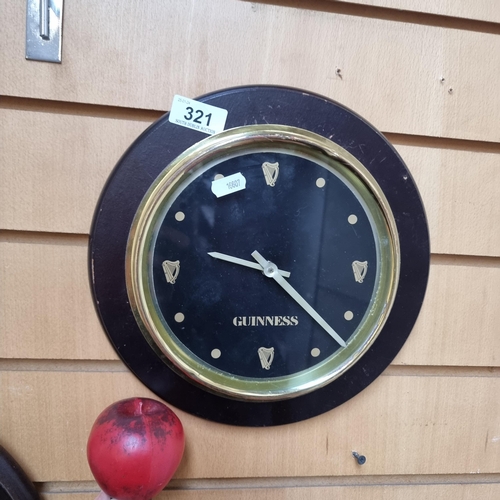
{"x":179,"y":317}
{"x":352,"y":219}
{"x":320,"y":182}
{"x":216,"y":353}
{"x":348,"y":315}
{"x":315,"y":352}
{"x":218,"y":176}
{"x":179,"y":216}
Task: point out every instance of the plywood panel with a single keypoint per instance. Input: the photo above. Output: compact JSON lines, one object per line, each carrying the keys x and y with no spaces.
{"x":46,"y":311}
{"x":55,"y":166}
{"x":138,"y":57}
{"x":403,"y":425}
{"x":482,"y":10}
{"x":460,"y":194}
{"x":458,"y":324}
{"x":367,"y":492}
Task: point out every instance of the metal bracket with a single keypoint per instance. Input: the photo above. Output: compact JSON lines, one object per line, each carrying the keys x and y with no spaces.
{"x":44,"y":30}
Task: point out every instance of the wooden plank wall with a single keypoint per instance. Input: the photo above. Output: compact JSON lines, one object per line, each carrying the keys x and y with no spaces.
{"x":426,"y":73}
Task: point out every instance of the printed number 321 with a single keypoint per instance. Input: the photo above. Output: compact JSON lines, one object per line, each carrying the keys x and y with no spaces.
{"x":198,"y":115}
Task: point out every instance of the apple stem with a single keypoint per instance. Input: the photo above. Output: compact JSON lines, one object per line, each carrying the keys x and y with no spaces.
{"x":103,"y":496}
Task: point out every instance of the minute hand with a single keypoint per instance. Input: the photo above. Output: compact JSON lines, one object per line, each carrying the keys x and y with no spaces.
{"x":271,"y":271}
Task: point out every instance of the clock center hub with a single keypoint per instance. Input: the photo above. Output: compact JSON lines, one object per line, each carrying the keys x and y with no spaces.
{"x":270,"y":269}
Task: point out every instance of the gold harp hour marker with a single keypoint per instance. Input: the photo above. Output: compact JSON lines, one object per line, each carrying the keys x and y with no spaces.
{"x":266,"y":356}
{"x":359,"y":269}
{"x":271,"y":172}
{"x":171,"y":270}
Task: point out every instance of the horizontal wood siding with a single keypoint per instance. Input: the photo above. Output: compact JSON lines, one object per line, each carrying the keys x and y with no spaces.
{"x":402,"y":424}
{"x":423,"y":72}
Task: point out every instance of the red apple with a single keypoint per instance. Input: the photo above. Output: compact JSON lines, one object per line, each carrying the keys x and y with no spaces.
{"x":134,"y":448}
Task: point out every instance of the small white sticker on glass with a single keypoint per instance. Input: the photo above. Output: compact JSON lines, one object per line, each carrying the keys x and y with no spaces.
{"x":229,"y":184}
{"x":197,"y":115}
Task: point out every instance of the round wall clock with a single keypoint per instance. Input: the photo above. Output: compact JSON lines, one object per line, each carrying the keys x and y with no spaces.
{"x":264,"y":274}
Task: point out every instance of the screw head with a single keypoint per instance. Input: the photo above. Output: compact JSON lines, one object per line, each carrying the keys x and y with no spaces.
{"x":361,"y":459}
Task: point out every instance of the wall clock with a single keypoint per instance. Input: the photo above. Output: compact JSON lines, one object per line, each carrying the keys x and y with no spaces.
{"x":264,"y":274}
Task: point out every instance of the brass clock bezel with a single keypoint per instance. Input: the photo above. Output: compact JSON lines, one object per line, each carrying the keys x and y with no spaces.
{"x":200,"y":157}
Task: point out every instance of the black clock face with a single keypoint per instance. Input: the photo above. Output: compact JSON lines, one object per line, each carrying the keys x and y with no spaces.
{"x":309,"y":223}
{"x":265,"y":274}
{"x":234,"y":318}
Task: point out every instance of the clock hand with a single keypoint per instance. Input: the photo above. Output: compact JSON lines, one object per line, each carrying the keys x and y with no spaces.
{"x":241,"y":262}
{"x":271,"y":271}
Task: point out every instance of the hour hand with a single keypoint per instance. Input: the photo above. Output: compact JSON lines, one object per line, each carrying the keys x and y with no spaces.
{"x":242,"y":262}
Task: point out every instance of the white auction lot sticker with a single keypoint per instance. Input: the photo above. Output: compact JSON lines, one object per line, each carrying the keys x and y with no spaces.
{"x":197,"y":115}
{"x":229,"y":184}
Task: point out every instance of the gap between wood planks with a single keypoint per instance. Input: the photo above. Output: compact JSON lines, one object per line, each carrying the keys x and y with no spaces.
{"x":287,"y":482}
{"x":76,"y":239}
{"x":79,"y":365}
{"x":144,"y":115}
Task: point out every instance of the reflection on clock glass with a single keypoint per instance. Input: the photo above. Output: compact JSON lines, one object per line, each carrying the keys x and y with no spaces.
{"x":206,"y":265}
